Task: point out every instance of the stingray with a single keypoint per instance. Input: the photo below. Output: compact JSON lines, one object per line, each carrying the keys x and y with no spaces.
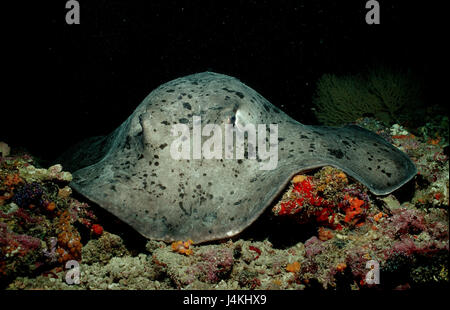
{"x":132,"y":173}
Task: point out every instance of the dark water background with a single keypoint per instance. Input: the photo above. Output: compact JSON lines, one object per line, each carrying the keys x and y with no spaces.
{"x":69,"y":82}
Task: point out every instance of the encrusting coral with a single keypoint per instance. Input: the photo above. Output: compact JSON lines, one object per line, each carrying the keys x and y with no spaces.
{"x":327,"y":198}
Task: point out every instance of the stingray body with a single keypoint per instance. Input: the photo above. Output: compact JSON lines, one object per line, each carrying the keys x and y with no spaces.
{"x":132,"y":174}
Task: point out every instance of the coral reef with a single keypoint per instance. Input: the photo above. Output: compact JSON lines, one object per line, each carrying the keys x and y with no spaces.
{"x":406,"y":233}
{"x":37,"y":218}
{"x":338,"y":261}
{"x":101,"y":250}
{"x":327,"y":198}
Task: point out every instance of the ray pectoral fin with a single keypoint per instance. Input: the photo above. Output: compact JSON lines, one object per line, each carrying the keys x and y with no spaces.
{"x":368,"y":158}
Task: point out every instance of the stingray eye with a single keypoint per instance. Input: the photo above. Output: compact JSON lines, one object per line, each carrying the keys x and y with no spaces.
{"x":231,"y":120}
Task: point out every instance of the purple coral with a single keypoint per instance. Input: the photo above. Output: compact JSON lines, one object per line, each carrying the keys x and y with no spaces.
{"x":216,"y":265}
{"x":313,"y":246}
{"x":26,"y":243}
{"x":356,"y":261}
{"x":406,"y":247}
{"x":29,"y":194}
{"x":439,"y":230}
{"x":27,"y":219}
{"x":406,"y":224}
{"x":406,"y":221}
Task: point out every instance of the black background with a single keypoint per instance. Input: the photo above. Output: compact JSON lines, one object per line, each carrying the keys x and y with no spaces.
{"x":67,"y":82}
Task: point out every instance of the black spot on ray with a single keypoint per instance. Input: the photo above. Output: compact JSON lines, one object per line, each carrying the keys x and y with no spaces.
{"x":336,"y":153}
{"x":186,"y":105}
